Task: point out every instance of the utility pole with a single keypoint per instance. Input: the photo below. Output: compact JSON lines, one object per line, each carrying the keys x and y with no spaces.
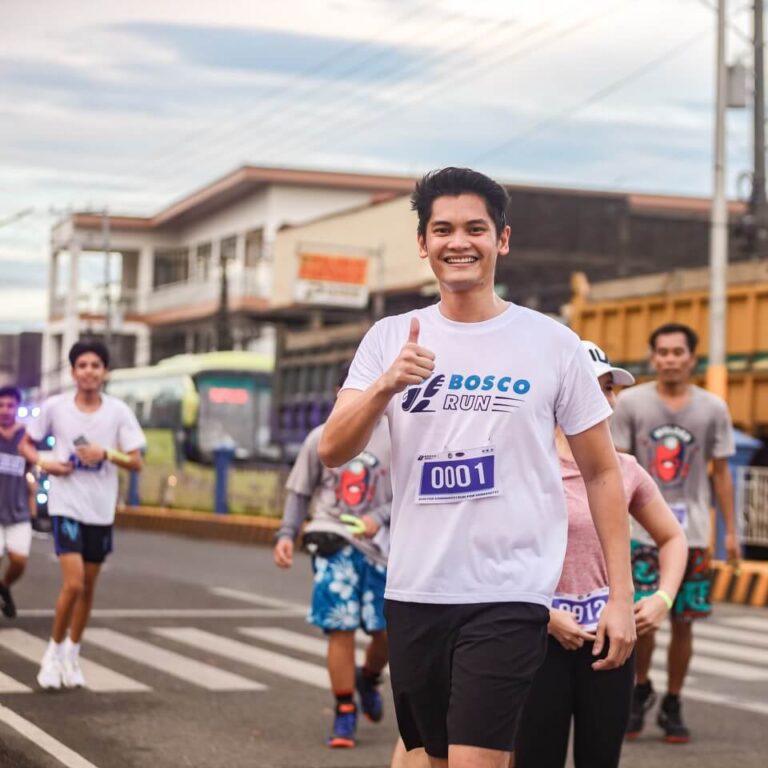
{"x":106,"y":238}
{"x":717,"y":373}
{"x":758,"y":204}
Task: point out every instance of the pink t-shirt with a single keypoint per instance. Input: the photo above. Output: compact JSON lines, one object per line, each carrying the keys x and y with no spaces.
{"x":584,"y":568}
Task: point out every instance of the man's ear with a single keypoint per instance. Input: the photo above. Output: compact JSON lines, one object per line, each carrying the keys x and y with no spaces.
{"x":421,"y":240}
{"x":504,"y":241}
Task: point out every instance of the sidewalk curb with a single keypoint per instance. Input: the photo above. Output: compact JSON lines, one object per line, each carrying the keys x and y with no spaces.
{"x":245,"y":529}
{"x":749,"y":587}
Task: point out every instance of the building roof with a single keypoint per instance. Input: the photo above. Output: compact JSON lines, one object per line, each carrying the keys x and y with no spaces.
{"x":249,"y":178}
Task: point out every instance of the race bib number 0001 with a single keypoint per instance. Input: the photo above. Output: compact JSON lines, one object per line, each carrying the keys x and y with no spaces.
{"x":457,"y":475}
{"x":586,"y":609}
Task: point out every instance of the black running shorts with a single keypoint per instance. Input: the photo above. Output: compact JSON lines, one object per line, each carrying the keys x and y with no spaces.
{"x":461,"y":673}
{"x":71,"y":537}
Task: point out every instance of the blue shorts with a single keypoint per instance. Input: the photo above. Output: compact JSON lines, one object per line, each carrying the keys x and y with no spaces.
{"x":348,"y":592}
{"x":71,"y":537}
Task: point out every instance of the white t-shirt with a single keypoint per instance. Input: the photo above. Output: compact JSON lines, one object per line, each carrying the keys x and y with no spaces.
{"x":89,"y":494}
{"x":478,"y":512}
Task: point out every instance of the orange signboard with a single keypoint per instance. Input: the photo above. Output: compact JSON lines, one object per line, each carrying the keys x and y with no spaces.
{"x":324,"y":268}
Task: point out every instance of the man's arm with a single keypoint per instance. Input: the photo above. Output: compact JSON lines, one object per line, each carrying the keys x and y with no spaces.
{"x":722,"y":483}
{"x":354,"y":416}
{"x":596,"y":457}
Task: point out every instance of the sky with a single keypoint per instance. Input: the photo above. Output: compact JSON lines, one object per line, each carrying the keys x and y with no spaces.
{"x":130,"y":106}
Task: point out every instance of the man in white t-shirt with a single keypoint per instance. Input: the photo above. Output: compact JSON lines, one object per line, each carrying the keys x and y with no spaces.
{"x":94,"y":435}
{"x":478,"y":527}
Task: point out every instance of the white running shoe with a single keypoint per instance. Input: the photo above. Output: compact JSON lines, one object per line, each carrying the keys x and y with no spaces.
{"x":50,"y":674}
{"x":71,"y":674}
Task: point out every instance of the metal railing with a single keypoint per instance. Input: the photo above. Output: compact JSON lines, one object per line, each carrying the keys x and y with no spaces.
{"x":752,"y":504}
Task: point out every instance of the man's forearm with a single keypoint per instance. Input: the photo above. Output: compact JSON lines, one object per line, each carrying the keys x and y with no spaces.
{"x":608,"y":506}
{"x":351,"y":424}
{"x":723,"y":487}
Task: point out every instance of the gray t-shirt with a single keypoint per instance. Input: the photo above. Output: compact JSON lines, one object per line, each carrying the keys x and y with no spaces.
{"x":359,"y":487}
{"x":14,"y":493}
{"x":675,"y":447}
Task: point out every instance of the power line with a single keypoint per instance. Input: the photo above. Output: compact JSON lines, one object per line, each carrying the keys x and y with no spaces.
{"x":593,"y":98}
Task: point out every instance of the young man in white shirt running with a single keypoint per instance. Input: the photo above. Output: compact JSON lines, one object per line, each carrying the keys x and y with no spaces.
{"x":95,"y":434}
{"x":479,"y":526}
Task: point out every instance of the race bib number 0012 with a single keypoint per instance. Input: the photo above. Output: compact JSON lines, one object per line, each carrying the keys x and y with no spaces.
{"x":586,"y":609}
{"x":457,"y":475}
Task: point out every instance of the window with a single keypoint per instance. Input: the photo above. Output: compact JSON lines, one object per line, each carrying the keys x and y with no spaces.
{"x":171,"y":266}
{"x":203,"y":261}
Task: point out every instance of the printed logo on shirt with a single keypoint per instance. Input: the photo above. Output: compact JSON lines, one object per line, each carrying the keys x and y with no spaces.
{"x":672,"y":448}
{"x":356,"y":485}
{"x":12,"y":464}
{"x":467,"y":392}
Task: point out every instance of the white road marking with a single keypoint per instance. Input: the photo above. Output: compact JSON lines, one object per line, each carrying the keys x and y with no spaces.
{"x":734,"y":702}
{"x":742,"y":636}
{"x":245,"y":653}
{"x":174,"y":613}
{"x":190,"y":670}
{"x":258,"y":599}
{"x":41,"y":739}
{"x":296,"y":641}
{"x":757,"y":656}
{"x":706,"y":665}
{"x":99,"y":678}
{"x":747,"y":622}
{"x":9,"y":685}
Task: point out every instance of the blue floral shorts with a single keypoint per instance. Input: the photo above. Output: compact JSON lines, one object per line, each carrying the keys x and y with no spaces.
{"x":348,"y":592}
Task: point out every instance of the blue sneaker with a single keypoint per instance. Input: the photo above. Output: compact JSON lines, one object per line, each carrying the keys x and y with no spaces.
{"x":370,"y":698}
{"x":344,"y":727}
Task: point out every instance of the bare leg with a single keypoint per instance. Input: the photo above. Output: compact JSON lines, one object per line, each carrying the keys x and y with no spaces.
{"x":82,"y":609}
{"x":341,"y":661}
{"x":377,"y":653}
{"x":679,"y":655}
{"x":416,"y":758}
{"x":16,"y":566}
{"x":72,"y":573}
{"x":460,"y":756}
{"x":643,"y":653}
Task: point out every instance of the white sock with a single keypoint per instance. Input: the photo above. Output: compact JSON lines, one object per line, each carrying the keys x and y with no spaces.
{"x":55,"y":649}
{"x":72,"y":650}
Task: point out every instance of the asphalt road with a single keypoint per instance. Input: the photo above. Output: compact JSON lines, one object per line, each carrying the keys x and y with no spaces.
{"x":206,"y":661}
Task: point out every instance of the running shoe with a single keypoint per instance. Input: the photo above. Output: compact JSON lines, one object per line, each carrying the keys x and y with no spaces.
{"x":8,"y":607}
{"x":49,"y":676}
{"x":370,"y":698}
{"x":71,"y":674}
{"x":643,"y":698}
{"x":670,"y":719}
{"x":344,"y":727}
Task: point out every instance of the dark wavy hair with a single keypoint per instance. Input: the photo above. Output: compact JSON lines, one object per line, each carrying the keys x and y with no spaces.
{"x":82,"y":347}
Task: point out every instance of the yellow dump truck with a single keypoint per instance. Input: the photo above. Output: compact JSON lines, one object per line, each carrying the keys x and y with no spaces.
{"x":620,"y":314}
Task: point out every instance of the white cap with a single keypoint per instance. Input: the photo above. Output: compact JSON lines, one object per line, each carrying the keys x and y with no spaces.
{"x":602,"y":365}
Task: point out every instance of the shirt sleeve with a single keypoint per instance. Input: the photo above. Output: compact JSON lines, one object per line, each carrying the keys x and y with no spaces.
{"x":722,"y":443}
{"x":580,"y":403}
{"x":307,"y":469}
{"x":40,"y":426}
{"x":130,"y":436}
{"x":621,"y":426}
{"x":368,"y":364}
{"x":644,"y":488}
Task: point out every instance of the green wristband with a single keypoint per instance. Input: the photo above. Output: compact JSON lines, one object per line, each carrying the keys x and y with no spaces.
{"x":668,"y":601}
{"x":112,"y":455}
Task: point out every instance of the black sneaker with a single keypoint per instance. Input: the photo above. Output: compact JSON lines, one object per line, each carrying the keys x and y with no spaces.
{"x":8,"y":607}
{"x":643,"y":698}
{"x":670,"y":719}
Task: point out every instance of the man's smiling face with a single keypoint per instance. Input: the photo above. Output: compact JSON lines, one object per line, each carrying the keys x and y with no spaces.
{"x":461,"y":243}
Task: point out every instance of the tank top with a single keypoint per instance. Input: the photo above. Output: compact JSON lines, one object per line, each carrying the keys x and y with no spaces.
{"x":14,"y":493}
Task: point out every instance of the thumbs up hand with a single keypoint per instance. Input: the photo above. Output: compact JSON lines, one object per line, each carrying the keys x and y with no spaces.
{"x":413,"y":365}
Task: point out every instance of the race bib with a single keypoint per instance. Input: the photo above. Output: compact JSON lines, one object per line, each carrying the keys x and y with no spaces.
{"x":74,"y":460}
{"x":12,"y":464}
{"x":680,"y":511}
{"x":457,"y":475}
{"x":586,"y":609}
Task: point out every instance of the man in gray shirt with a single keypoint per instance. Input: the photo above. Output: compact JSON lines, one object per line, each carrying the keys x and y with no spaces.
{"x":675,"y":429}
{"x":348,"y":537}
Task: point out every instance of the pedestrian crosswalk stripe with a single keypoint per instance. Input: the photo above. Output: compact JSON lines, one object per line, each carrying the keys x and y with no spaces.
{"x":747,"y":622}
{"x":732,"y":635}
{"x":258,"y":599}
{"x":245,"y":653}
{"x":9,"y":685}
{"x":99,"y":679}
{"x":192,"y":671}
{"x":757,"y":656}
{"x":707,"y":665}
{"x":296,"y":641}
